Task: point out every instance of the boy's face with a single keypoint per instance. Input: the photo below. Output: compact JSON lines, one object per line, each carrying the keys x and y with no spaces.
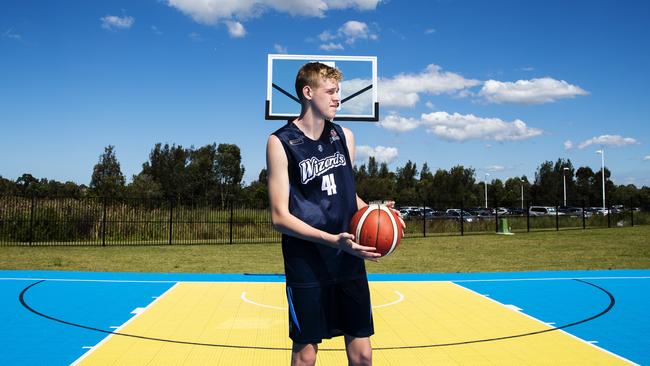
{"x":325,"y":98}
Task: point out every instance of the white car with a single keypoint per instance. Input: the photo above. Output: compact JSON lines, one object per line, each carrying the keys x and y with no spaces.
{"x":543,"y":211}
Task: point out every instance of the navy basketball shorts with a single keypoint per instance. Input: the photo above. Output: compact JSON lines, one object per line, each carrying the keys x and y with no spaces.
{"x":329,"y":311}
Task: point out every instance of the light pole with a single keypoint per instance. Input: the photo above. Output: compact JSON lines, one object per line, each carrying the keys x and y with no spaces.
{"x":564,"y":180}
{"x":602,"y":172}
{"x":521,"y":185}
{"x":485,"y":184}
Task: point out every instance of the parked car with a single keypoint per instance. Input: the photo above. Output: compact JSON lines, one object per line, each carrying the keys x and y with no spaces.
{"x":454,"y":213}
{"x":575,"y":211}
{"x":501,"y":211}
{"x":543,"y":211}
{"x":481,"y":212}
{"x":516,"y":212}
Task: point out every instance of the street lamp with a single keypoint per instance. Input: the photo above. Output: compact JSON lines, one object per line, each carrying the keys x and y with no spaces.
{"x":521,"y":185}
{"x":485,"y":184}
{"x":602,"y":171}
{"x":564,"y":180}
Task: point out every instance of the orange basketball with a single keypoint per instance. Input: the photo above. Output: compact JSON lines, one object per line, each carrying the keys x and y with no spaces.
{"x":377,"y":226}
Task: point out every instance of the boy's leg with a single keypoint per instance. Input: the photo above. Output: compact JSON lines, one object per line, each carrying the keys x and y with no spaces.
{"x":303,"y":354}
{"x":358,"y":350}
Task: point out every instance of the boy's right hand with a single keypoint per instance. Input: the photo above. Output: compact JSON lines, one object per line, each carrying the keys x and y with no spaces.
{"x":347,"y":244}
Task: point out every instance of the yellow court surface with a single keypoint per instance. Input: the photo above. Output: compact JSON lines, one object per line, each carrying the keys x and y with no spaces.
{"x":416,"y":323}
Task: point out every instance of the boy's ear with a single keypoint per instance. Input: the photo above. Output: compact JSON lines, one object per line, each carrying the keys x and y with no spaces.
{"x":307,"y":92}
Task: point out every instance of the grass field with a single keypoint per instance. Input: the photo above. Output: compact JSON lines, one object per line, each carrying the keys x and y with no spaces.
{"x":616,"y":248}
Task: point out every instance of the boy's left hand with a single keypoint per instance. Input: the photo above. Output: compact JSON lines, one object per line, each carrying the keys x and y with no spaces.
{"x":390,"y":205}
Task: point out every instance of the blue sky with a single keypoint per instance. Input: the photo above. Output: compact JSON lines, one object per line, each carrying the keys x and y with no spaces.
{"x":499,"y":86}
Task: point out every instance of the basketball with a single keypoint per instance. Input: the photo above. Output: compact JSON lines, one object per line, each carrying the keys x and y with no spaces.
{"x":377,"y":226}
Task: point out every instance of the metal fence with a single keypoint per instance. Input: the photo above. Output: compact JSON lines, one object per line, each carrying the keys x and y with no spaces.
{"x":448,"y":218}
{"x":133,"y":221}
{"x":104,"y":221}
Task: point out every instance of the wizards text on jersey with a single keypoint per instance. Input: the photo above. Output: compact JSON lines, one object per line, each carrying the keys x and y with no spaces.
{"x":312,"y":167}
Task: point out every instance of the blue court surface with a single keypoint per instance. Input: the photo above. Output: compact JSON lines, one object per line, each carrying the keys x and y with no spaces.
{"x":59,"y":318}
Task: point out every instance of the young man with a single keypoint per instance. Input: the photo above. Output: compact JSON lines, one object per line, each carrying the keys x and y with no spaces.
{"x":313,"y":198}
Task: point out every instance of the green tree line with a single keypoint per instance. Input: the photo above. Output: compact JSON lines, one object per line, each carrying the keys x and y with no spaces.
{"x":215,"y":173}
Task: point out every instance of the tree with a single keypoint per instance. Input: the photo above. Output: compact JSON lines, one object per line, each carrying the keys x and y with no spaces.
{"x":167,"y":167}
{"x":584,"y":185}
{"x":511,"y":196}
{"x":145,"y":186}
{"x":548,"y":188}
{"x":27,"y":184}
{"x":406,"y":183}
{"x":202,"y":179}
{"x":228,"y":170}
{"x":425,"y":184}
{"x":7,"y":187}
{"x":257,"y":192}
{"x":107,"y":179}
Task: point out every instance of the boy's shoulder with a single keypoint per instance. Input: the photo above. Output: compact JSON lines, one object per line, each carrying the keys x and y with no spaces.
{"x":285,"y":130}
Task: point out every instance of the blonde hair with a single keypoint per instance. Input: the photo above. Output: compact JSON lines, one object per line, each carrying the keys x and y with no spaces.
{"x":312,"y":73}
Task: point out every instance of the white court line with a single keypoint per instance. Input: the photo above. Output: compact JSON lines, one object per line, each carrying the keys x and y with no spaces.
{"x":556,"y":330}
{"x":409,"y":281}
{"x":245,"y":299}
{"x":93,"y":348}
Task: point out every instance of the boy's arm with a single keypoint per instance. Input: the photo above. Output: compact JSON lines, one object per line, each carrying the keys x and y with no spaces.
{"x":285,"y":222}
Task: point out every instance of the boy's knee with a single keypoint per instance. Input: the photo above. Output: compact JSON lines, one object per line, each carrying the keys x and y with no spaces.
{"x":361,"y":357}
{"x":306,"y":356}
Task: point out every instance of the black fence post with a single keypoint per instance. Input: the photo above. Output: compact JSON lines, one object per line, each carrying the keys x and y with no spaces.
{"x":496,"y":217}
{"x":462,"y":226}
{"x":527,"y":216}
{"x":230,"y":222}
{"x":631,"y":213}
{"x":171,"y":220}
{"x":557,"y":217}
{"x":584,"y":224}
{"x":104,"y":223}
{"x":31,"y":221}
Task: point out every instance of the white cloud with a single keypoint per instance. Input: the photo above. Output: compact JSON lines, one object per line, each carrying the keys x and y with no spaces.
{"x":396,"y":123}
{"x":331,"y":46}
{"x":568,"y":145}
{"x":349,"y":33}
{"x":353,"y":30}
{"x":9,"y":33}
{"x":113,"y":22}
{"x":429,"y":31}
{"x":646,"y":158}
{"x":195,"y":37}
{"x":326,"y":36}
{"x":280,"y":48}
{"x":608,"y":140}
{"x":213,"y":11}
{"x":404,"y":90}
{"x":381,"y":153}
{"x":430,"y":105}
{"x":534,"y":91}
{"x":235,"y":29}
{"x":155,"y":30}
{"x":495,"y":168}
{"x":459,"y":127}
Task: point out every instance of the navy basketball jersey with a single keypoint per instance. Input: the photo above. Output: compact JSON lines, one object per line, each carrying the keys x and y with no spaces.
{"x":322,"y":193}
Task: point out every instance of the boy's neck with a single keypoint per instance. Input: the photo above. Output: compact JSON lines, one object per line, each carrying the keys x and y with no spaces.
{"x":311,"y":126}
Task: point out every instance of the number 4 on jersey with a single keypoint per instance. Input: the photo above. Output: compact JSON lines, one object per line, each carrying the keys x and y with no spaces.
{"x":329,"y":184}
